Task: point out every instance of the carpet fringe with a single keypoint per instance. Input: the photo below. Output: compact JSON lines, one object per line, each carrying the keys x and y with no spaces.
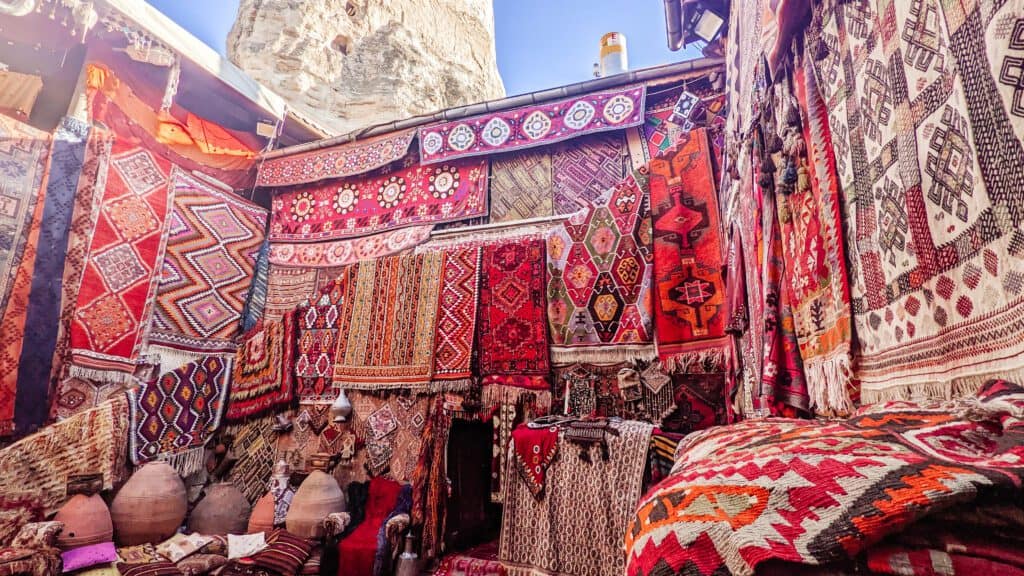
{"x":497,"y":394}
{"x":944,"y":390}
{"x":174,"y":358}
{"x":187,"y":462}
{"x":698,"y":362}
{"x":568,"y":355}
{"x":828,"y":382}
{"x":460,"y":385}
{"x":99,"y":375}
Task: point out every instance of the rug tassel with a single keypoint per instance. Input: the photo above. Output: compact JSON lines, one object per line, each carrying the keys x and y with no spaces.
{"x":828,"y":382}
{"x":702,"y":362}
{"x":957,"y":387}
{"x":101,"y":376}
{"x":186,"y":463}
{"x":460,"y":385}
{"x":173,"y":358}
{"x":568,"y":355}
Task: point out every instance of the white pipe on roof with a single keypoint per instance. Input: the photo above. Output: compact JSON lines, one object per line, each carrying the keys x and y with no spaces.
{"x":17,"y":7}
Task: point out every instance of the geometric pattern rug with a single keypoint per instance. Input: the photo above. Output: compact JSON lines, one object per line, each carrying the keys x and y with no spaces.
{"x":584,"y":169}
{"x":208,"y":267}
{"x":263,"y":378}
{"x":520,"y":186}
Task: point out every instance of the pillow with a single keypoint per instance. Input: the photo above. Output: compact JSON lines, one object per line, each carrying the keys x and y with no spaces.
{"x":139,"y":554}
{"x":148,"y":569}
{"x":245,"y":545}
{"x":86,"y":556}
{"x":108,"y":570}
{"x":200,"y":564}
{"x":180,"y":545}
{"x":218,"y":546}
{"x":285,"y":553}
{"x":38,"y":535}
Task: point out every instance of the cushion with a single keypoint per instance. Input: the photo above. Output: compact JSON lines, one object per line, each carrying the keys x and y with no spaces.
{"x":219,"y":546}
{"x":285,"y":553}
{"x":148,"y":569}
{"x":86,"y":556}
{"x":139,"y":554}
{"x":245,"y":545}
{"x":105,"y":570}
{"x":38,"y":535}
{"x":181,"y":545}
{"x":16,"y":510}
{"x":200,"y":564}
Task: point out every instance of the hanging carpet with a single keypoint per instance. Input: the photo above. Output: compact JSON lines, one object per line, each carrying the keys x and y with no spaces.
{"x":255,"y":447}
{"x":456,"y":319}
{"x":404,"y":194}
{"x":531,"y":126}
{"x":583,"y":169}
{"x":174,"y":417}
{"x":317,"y":341}
{"x":389,"y":331}
{"x":335,"y":162}
{"x":23,"y":159}
{"x":689,"y":291}
{"x":349,"y":251}
{"x":583,"y":389}
{"x":208,"y":267}
{"x":263,"y":378}
{"x":288,"y":288}
{"x":520,"y":186}
{"x":512,"y":335}
{"x":391,"y":426}
{"x":256,"y":299}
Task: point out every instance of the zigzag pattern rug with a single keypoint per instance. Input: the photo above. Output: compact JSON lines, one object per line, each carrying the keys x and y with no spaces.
{"x":585,"y":168}
{"x":213,"y":240}
{"x":456,"y":319}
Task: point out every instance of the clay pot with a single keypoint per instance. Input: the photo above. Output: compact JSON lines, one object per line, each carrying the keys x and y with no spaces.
{"x":150,"y":507}
{"x":318,"y":496}
{"x":86,"y":521}
{"x":224,"y":510}
{"x":262,"y":517}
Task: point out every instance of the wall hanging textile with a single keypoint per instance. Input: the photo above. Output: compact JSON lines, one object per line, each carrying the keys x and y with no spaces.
{"x":318,"y":341}
{"x":589,"y":502}
{"x":584,"y":169}
{"x":336,"y":253}
{"x":289,"y":287}
{"x":583,"y":389}
{"x":43,"y":313}
{"x":512,"y":336}
{"x":405,"y":194}
{"x":506,"y":407}
{"x":689,"y":288}
{"x":699,"y":403}
{"x":750,"y":237}
{"x":849,"y":483}
{"x":23,"y":159}
{"x":90,"y":442}
{"x":648,"y":392}
{"x":812,"y":241}
{"x":430,"y":484}
{"x":207,"y":268}
{"x":174,"y":417}
{"x":456,"y":319}
{"x":389,"y":325}
{"x":392,"y":428}
{"x":91,"y":184}
{"x":928,"y":148}
{"x":520,"y":186}
{"x":256,"y":298}
{"x":533,"y":125}
{"x":535,"y":449}
{"x":599,"y":289}
{"x":76,"y":394}
{"x":255,"y":447}
{"x":335,"y":162}
{"x":263,"y":378}
{"x":118,"y":287}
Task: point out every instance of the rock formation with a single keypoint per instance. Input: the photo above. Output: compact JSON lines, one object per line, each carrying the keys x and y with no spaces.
{"x":355,"y":63}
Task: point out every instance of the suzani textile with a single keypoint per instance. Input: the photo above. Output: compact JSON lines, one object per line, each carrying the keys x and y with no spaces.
{"x":512,"y":338}
{"x":122,"y":270}
{"x":263,"y":378}
{"x":23,"y":156}
{"x":389,"y":324}
{"x":847,"y":484}
{"x":343,"y":252}
{"x":536,"y":125}
{"x":213,"y":241}
{"x":689,"y":301}
{"x":405,"y":194}
{"x":924,"y":105}
{"x":599,"y":277}
{"x":335,"y":162}
{"x":174,"y":417}
{"x":456,"y":319}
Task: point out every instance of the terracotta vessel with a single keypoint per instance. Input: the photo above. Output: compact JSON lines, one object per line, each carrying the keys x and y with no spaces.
{"x":318,"y":496}
{"x":262,"y":518}
{"x":86,"y":521}
{"x":150,"y":506}
{"x":224,"y":510}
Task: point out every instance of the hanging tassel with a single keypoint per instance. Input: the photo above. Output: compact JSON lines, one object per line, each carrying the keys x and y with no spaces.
{"x":803,"y":178}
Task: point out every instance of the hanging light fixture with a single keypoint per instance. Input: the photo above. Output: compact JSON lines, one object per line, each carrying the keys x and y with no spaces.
{"x":703,"y":22}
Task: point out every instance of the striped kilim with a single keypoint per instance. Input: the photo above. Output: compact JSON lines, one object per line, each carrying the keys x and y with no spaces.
{"x":213,"y":241}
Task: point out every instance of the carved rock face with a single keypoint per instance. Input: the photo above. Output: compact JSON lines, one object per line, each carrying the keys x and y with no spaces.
{"x":353,"y":64}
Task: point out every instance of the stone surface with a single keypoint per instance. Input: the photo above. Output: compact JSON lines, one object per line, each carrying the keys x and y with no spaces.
{"x":356,"y":63}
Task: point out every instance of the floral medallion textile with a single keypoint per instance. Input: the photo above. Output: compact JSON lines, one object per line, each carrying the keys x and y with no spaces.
{"x":336,"y":253}
{"x":208,"y":267}
{"x":689,"y":300}
{"x":531,"y":126}
{"x":404,"y":194}
{"x":924,"y":106}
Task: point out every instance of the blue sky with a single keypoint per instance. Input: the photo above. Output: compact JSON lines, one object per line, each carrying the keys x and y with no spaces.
{"x":540,"y":43}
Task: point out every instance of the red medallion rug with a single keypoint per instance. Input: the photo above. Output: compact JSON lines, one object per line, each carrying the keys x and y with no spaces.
{"x":689,"y":299}
{"x":599,"y":290}
{"x":119,"y":282}
{"x":387,"y":338}
{"x":927,"y":126}
{"x":815,"y":492}
{"x":456,"y":319}
{"x":405,"y":193}
{"x":512,"y":335}
{"x":208,"y":267}
{"x":263,"y":377}
{"x":535,"y":449}
{"x":335,"y":162}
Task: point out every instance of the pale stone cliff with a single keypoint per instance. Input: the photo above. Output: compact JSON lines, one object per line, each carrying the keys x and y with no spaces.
{"x":355,"y":63}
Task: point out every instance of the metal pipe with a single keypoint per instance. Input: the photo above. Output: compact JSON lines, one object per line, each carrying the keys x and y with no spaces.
{"x":674,"y":24}
{"x":642,"y":75}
